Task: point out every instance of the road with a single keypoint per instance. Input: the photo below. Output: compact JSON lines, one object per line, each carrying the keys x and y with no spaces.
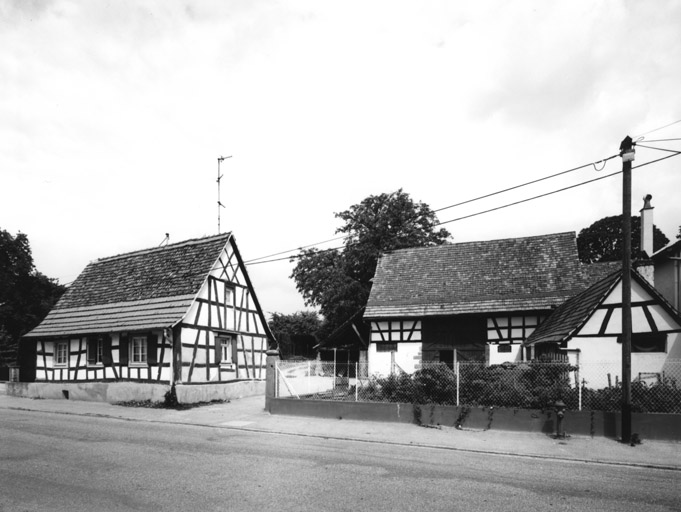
{"x":61,"y":462}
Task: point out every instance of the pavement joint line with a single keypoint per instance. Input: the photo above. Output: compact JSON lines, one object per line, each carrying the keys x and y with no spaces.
{"x":498,"y":453}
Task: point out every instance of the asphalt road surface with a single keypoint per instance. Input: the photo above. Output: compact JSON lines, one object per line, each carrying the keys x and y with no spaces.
{"x":71,"y":463}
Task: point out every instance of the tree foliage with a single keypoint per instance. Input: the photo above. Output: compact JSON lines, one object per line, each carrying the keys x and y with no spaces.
{"x":26,"y":295}
{"x":299,"y":323}
{"x":295,"y":332}
{"x":602,"y":241}
{"x":338,"y":281}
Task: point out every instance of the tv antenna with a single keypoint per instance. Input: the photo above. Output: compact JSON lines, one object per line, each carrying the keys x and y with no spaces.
{"x":220,"y":205}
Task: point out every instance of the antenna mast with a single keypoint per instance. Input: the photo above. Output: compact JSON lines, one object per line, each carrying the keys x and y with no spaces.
{"x":220,"y":205}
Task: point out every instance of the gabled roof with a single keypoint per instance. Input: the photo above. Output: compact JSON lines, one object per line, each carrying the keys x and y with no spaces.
{"x":145,"y":289}
{"x":574,"y":313}
{"x":514,"y":274}
{"x":571,"y":316}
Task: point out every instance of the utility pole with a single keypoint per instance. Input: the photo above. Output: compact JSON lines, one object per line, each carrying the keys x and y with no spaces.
{"x":627,"y":153}
{"x":220,"y":205}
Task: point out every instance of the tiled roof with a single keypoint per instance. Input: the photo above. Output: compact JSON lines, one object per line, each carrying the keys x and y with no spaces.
{"x":139,"y":290}
{"x":514,"y":274}
{"x":572,"y":314}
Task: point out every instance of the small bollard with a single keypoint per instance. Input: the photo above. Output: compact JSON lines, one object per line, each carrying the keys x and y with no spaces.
{"x":560,"y":414}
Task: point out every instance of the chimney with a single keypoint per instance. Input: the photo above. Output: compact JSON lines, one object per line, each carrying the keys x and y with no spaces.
{"x":644,"y":265}
{"x":647,"y":227}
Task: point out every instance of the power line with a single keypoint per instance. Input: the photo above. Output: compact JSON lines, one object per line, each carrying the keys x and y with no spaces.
{"x":530,"y":198}
{"x":604,"y":161}
{"x":658,"y":129}
{"x":297,"y":249}
{"x":294,"y":256}
{"x":675,"y":153}
{"x":659,"y":149}
{"x":663,"y":140}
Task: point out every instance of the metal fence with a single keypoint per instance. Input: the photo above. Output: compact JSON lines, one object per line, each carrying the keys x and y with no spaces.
{"x":532,"y":385}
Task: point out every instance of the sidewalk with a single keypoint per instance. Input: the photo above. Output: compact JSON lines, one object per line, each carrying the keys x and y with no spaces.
{"x":248,"y":414}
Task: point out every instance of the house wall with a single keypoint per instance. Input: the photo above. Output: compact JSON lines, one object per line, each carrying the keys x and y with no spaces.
{"x":495,"y":356}
{"x":600,"y":361}
{"x":470,"y":336}
{"x":668,"y":280}
{"x":79,"y":370}
{"x":223,"y":306}
{"x":407,"y":357}
{"x":505,"y":335}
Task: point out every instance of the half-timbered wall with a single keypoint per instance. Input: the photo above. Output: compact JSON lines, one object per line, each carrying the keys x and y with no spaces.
{"x":394,"y":342}
{"x":114,"y":362}
{"x":600,"y":352}
{"x":505,"y":335}
{"x":223,"y":309}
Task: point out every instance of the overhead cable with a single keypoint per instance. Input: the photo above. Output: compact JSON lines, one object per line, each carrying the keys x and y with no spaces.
{"x":675,"y":153}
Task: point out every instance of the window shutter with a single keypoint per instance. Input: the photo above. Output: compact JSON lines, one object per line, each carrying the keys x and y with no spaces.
{"x":235,"y":361}
{"x":218,"y":350}
{"x":91,"y":343}
{"x":106,"y":350}
{"x":152,"y":346}
{"x":123,"y":349}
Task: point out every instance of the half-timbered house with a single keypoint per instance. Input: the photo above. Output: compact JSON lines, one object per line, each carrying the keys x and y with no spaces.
{"x":470,"y":301}
{"x":587,"y":330}
{"x":183,"y":314}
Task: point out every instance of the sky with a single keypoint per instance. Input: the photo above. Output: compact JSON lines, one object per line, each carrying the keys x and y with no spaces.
{"x":113,"y":115}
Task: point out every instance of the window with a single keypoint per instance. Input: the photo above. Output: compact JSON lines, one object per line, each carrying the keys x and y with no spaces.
{"x":386,"y":347}
{"x":61,"y":353}
{"x":226,"y":345}
{"x":138,"y":350}
{"x":95,"y":352}
{"x":647,"y":342}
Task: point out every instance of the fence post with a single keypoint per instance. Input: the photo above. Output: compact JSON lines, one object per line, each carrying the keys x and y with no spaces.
{"x":271,"y":388}
{"x":356,"y":382}
{"x":579,"y":386}
{"x":309,"y":379}
{"x":457,"y":383}
{"x":334,"y":372}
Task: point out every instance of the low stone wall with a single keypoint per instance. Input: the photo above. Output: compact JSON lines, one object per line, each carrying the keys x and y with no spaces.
{"x":90,"y":391}
{"x":194,"y":393}
{"x":665,"y":427}
{"x":113,"y":392}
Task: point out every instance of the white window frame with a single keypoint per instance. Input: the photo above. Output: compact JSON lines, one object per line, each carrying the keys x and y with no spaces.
{"x":226,"y":342}
{"x":138,"y":357}
{"x":59,"y":354}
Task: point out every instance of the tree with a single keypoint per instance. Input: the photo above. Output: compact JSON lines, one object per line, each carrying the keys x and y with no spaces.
{"x":338,"y":281}
{"x":296,"y":334}
{"x":26,"y":295}
{"x":602,"y":241}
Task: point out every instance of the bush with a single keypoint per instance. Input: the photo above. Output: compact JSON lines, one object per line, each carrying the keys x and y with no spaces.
{"x":534,"y":385}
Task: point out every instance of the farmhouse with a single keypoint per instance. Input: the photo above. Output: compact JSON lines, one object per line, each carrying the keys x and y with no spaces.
{"x":470,"y":301}
{"x":135,"y":324}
